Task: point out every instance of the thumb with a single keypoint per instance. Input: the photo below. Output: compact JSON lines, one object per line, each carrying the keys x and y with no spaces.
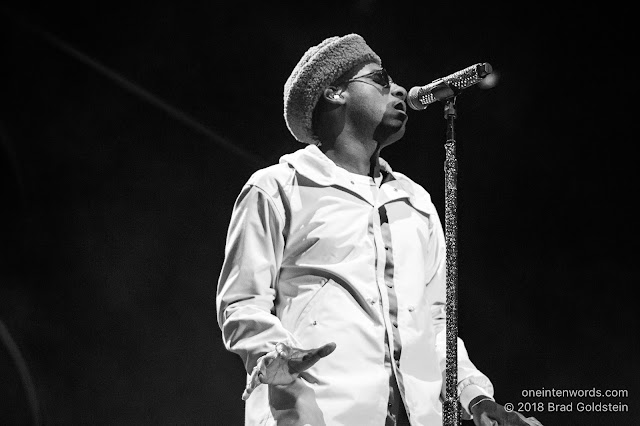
{"x":325,"y":350}
{"x":303,"y":359}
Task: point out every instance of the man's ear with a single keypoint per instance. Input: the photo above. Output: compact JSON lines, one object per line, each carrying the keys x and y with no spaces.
{"x":332,"y":95}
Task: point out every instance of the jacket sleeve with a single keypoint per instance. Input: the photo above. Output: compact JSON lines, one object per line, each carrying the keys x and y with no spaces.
{"x":471,"y":381}
{"x":246,"y":286}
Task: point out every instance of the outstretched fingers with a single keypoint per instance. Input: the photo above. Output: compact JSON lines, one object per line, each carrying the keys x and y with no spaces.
{"x":283,"y":365}
{"x":257,"y":375}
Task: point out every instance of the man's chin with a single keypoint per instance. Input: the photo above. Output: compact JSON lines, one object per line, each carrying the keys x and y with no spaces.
{"x":392,"y":137}
{"x":399,"y":133}
{"x":391,"y":130}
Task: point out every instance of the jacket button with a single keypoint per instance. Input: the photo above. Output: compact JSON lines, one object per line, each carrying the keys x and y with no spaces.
{"x":411,"y":308}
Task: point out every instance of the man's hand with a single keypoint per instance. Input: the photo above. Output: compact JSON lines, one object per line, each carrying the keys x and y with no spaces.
{"x":490,"y":413}
{"x":283,"y":365}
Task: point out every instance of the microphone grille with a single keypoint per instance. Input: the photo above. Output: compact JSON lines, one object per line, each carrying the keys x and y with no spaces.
{"x":420,"y":97}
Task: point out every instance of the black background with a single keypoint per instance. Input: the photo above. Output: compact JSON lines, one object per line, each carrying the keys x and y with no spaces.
{"x":117,"y":191}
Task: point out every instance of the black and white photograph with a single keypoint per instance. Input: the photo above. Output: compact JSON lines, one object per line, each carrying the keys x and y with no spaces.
{"x":323,"y":213}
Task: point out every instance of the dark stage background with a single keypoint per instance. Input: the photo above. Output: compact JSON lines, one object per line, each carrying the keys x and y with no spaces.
{"x":118,"y":180}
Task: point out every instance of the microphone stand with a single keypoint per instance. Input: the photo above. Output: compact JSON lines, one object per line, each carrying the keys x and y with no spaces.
{"x":451,"y":414}
{"x":446,"y":90}
{"x":451,"y":406}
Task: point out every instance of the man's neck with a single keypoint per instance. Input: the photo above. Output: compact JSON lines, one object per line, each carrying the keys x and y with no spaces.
{"x":355,"y":158}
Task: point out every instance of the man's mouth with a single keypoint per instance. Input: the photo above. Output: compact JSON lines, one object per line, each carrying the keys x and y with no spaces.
{"x":401,"y":106}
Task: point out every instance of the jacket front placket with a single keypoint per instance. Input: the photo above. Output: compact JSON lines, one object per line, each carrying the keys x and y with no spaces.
{"x":387,"y":287}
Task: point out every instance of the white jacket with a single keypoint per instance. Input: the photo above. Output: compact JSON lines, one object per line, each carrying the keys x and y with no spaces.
{"x":315,"y":254}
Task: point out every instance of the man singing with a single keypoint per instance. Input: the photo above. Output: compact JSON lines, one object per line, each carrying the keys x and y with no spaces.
{"x":333,"y":286}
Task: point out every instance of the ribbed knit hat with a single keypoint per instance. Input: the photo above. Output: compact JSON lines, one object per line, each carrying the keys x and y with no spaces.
{"x":320,"y":66}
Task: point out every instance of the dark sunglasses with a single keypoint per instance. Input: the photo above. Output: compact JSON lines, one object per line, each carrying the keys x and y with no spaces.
{"x":380,"y":77}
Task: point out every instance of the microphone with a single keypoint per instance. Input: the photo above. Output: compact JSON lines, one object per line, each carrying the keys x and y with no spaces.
{"x":420,"y":97}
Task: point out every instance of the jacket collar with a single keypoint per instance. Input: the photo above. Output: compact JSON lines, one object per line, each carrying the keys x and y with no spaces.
{"x":314,"y":165}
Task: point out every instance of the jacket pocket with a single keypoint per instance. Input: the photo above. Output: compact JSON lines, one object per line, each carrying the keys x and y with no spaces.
{"x":317,"y":296}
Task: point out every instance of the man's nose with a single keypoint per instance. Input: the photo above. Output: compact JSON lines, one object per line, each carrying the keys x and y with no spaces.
{"x":398,"y":91}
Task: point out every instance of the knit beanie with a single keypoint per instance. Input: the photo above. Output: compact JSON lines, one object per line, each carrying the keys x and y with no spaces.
{"x":320,"y":66}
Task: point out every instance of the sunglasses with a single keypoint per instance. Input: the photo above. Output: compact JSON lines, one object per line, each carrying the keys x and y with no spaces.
{"x":380,"y":77}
